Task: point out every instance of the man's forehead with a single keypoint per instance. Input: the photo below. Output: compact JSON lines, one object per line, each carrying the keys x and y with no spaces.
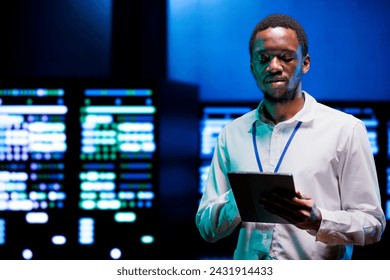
{"x":277,"y":33}
{"x":276,"y":38}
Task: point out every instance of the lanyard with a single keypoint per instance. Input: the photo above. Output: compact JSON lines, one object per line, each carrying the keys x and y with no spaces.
{"x":284,"y":150}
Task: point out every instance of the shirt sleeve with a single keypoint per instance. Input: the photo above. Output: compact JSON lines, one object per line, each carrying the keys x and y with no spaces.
{"x":361,"y":220}
{"x":217,"y":214}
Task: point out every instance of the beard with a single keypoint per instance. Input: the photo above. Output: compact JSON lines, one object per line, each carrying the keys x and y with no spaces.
{"x":283,"y":98}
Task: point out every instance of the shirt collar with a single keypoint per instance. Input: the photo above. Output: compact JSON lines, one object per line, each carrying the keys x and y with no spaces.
{"x":306,"y":114}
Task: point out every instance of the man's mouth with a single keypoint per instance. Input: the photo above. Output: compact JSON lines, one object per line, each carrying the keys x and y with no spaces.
{"x":275,"y":81}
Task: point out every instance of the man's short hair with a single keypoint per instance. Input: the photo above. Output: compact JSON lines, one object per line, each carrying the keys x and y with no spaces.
{"x":280,"y":20}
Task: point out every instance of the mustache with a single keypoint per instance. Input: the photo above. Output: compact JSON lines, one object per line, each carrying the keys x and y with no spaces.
{"x":274,"y":78}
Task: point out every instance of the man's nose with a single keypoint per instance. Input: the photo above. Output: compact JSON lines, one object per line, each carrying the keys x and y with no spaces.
{"x":275,"y":65}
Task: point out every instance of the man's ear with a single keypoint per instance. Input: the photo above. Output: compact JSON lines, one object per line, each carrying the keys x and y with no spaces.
{"x":306,"y":64}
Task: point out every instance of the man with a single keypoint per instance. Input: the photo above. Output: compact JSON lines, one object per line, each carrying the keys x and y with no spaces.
{"x":337,"y":204}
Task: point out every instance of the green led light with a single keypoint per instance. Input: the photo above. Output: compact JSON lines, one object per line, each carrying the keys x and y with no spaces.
{"x":32,"y":92}
{"x":40,"y":196}
{"x":147,"y":239}
{"x":106,"y":175}
{"x":88,"y":195}
{"x":125,"y":217}
{"x":108,"y":204}
{"x":21,"y":196}
{"x":118,"y":109}
{"x":87,"y":205}
{"x":82,"y":176}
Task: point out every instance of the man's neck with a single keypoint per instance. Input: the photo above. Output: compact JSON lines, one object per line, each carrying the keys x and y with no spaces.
{"x":279,"y":112}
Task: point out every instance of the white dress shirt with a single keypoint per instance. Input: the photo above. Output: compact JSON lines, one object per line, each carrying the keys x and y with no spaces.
{"x":331,"y":160}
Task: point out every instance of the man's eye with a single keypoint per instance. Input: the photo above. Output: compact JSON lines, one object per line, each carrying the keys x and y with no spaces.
{"x":287,"y":58}
{"x":263,"y":58}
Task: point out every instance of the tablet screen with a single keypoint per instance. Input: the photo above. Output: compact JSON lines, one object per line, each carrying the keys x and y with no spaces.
{"x":248,"y":187}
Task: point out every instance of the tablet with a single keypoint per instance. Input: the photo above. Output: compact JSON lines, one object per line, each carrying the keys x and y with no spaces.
{"x":248,"y":187}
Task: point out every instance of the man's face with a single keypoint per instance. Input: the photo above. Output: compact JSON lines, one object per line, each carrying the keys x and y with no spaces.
{"x":277,"y":64}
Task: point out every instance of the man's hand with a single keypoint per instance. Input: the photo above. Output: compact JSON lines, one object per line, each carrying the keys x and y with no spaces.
{"x":299,"y":210}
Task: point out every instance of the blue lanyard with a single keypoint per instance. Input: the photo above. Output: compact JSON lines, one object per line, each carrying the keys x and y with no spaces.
{"x":284,"y":150}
